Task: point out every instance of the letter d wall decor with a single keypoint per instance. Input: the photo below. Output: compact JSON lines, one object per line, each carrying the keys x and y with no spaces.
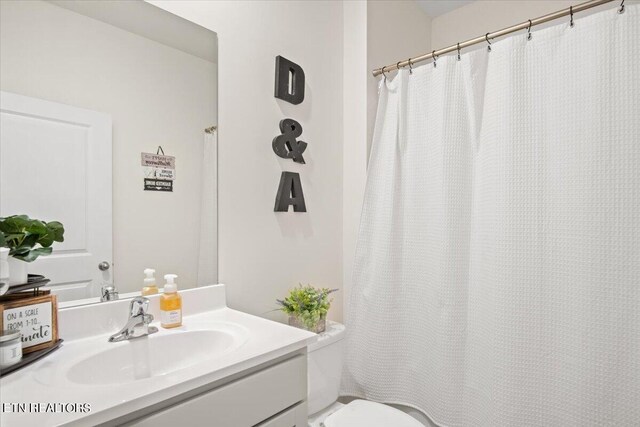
{"x":289,"y":81}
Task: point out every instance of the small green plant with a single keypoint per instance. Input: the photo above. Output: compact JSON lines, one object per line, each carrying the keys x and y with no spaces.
{"x":27,"y":238}
{"x":307,"y":303}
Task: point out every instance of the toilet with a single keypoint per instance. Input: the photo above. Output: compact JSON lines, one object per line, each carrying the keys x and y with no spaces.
{"x":324,"y":371}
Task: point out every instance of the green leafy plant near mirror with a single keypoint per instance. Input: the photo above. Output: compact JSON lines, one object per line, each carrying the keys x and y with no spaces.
{"x":307,"y":307}
{"x":27,"y":238}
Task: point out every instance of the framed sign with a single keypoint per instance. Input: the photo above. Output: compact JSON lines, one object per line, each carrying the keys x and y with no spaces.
{"x":35,"y":316}
{"x":159,"y":171}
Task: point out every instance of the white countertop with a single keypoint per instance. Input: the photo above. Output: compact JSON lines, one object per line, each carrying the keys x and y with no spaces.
{"x":45,"y":381}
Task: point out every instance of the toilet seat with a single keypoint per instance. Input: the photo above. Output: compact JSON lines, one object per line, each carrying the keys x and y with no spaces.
{"x":363,"y":413}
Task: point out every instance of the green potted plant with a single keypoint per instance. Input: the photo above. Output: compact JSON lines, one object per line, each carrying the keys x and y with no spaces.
{"x":307,"y":307}
{"x":27,"y":239}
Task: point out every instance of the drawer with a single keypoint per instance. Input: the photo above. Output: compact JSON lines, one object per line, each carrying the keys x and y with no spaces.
{"x":292,"y":417}
{"x":243,"y":402}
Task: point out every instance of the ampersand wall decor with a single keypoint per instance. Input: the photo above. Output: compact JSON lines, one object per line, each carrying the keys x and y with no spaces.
{"x":290,"y":193}
{"x":286,"y":145}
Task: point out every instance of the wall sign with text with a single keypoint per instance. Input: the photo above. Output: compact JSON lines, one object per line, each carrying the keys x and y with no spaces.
{"x":159,"y":171}
{"x":289,"y":86}
{"x":35,"y":317}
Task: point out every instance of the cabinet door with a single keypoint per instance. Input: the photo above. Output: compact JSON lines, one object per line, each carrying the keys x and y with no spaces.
{"x":241,"y":403}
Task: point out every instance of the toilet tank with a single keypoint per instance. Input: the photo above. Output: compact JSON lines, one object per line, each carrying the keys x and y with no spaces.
{"x":325,"y":367}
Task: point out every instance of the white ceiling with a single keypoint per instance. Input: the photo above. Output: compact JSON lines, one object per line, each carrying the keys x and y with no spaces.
{"x":435,"y":8}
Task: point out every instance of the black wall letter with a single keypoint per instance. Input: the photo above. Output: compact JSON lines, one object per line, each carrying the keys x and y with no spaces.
{"x":289,"y":81}
{"x":290,"y":193}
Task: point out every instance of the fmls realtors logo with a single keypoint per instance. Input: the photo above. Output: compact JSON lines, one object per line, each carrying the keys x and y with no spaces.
{"x":50,"y":407}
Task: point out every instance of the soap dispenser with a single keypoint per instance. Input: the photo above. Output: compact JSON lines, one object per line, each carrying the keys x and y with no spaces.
{"x":150,"y":287}
{"x":170,"y":304}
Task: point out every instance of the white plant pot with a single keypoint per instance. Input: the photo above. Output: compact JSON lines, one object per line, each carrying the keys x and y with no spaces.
{"x":17,"y":271}
{"x":4,"y":265}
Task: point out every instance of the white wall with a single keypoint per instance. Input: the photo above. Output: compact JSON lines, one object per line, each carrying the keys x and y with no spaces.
{"x":156,"y":95}
{"x":356,"y":77}
{"x":262,"y":253}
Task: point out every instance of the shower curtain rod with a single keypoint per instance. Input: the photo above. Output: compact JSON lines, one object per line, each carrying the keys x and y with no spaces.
{"x":490,"y":36}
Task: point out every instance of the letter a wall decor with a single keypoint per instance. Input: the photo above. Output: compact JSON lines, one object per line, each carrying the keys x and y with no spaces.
{"x":290,"y":193}
{"x":289,"y":86}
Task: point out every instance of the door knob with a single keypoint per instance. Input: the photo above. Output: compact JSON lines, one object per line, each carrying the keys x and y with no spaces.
{"x":104,"y":266}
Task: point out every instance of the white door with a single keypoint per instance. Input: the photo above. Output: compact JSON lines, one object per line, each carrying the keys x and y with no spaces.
{"x":55,"y":164}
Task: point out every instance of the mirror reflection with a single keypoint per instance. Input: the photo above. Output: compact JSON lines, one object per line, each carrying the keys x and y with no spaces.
{"x":108,"y":128}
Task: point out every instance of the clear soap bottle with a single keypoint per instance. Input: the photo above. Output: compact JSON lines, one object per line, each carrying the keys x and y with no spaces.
{"x":150,"y":287}
{"x":170,"y":304}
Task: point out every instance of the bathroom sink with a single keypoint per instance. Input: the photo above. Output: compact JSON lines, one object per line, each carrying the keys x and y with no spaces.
{"x":216,"y":346}
{"x":153,"y":356}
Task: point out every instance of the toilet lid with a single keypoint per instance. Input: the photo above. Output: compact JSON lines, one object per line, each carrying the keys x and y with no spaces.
{"x":363,"y":413}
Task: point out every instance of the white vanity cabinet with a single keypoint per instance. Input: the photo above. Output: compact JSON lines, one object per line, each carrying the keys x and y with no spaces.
{"x":273,"y":396}
{"x":222,"y":368}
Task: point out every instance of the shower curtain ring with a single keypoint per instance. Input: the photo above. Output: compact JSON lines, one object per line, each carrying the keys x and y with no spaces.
{"x":486,"y":37}
{"x":621,"y":10}
{"x":458,"y":51}
{"x":571,"y":14}
{"x":529,"y":30}
{"x":435,"y":58}
{"x":383,"y":73}
{"x":398,"y":65}
{"x":410,"y":66}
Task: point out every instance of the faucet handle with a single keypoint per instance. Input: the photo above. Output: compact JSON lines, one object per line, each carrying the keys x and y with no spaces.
{"x":139,"y":306}
{"x":108,"y":292}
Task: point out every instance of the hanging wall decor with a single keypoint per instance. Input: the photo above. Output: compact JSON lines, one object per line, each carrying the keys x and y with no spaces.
{"x":290,"y":193}
{"x":159,"y":171}
{"x":286,"y":145}
{"x":289,"y":81}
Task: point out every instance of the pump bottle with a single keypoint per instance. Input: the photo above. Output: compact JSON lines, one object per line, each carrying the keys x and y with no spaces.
{"x":170,"y":304}
{"x":150,"y":287}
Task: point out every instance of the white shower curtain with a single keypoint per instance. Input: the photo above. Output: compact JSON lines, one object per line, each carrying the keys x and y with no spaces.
{"x":497,"y":275}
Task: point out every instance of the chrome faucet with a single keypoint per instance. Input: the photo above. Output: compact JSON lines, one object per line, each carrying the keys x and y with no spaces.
{"x":108,"y":293}
{"x":138,"y":323}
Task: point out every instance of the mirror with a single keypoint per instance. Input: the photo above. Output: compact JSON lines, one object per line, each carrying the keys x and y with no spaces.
{"x":109,"y":114}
